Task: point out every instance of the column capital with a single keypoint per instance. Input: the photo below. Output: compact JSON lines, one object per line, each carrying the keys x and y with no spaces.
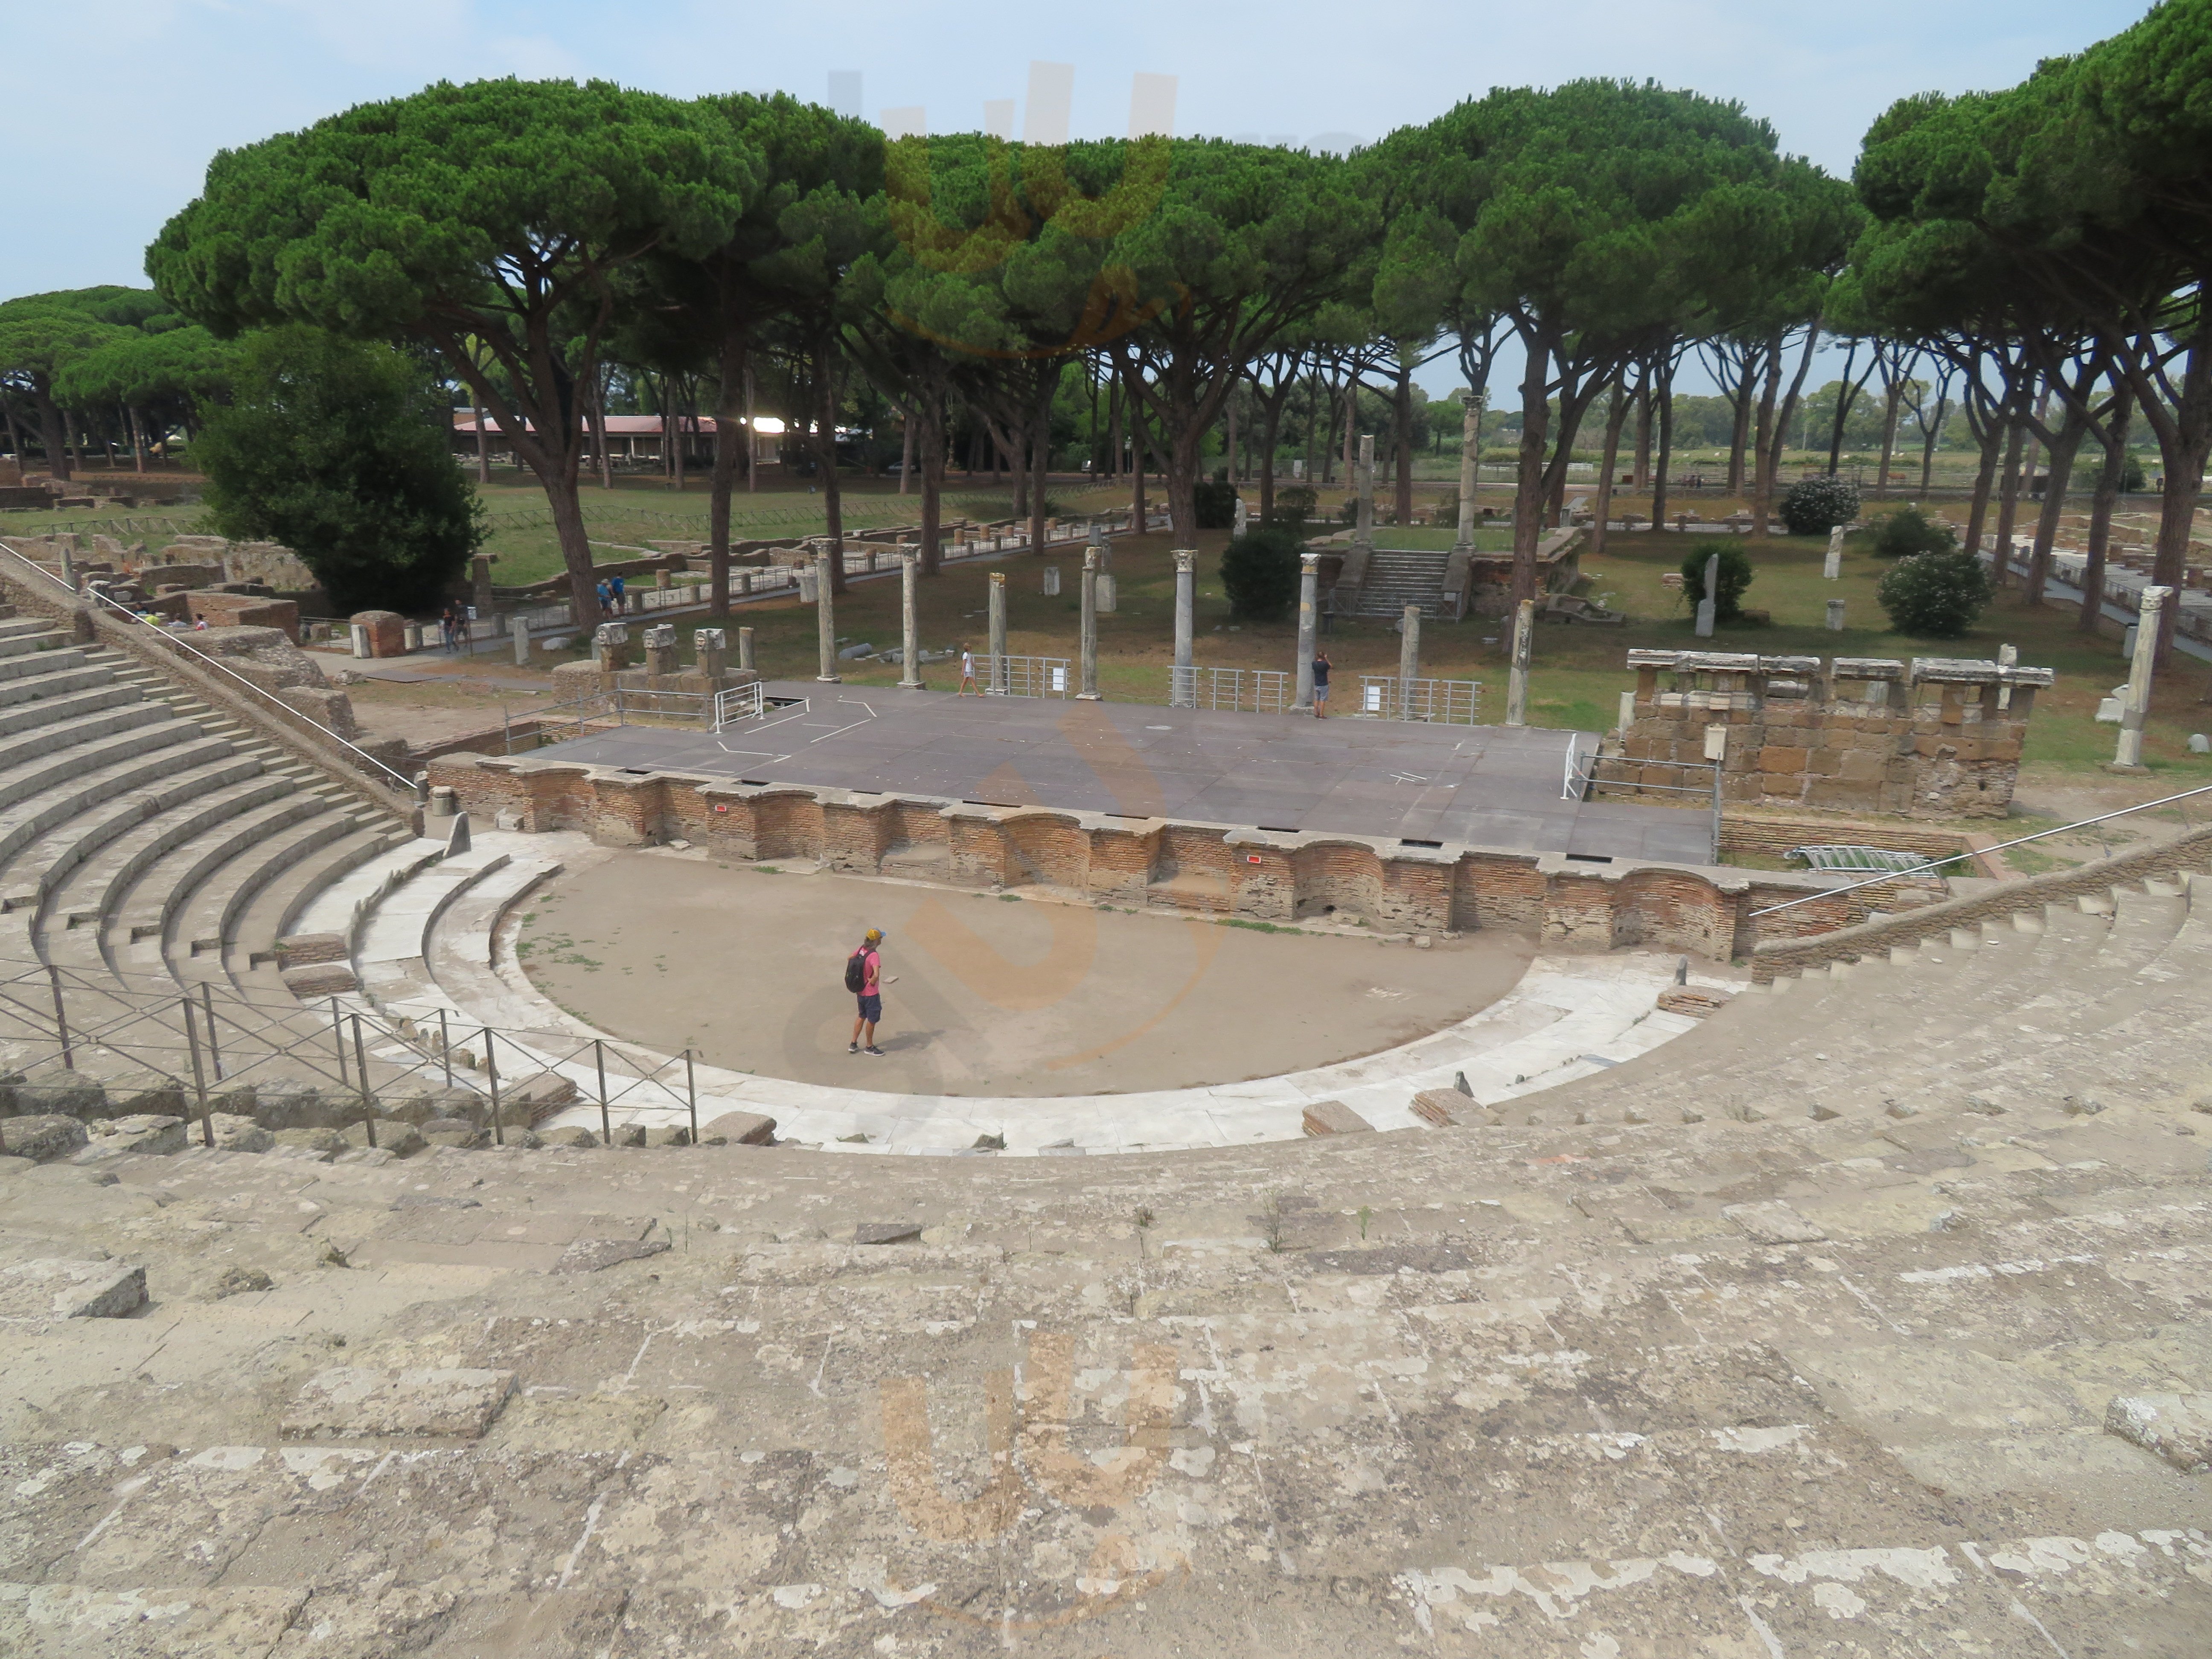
{"x":1091,"y":559}
{"x":2155,"y":599}
{"x":998,"y":579}
{"x":1308,"y":564}
{"x":1186,"y":558}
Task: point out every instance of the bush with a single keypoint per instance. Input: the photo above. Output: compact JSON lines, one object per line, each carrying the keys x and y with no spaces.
{"x":1814,"y":506}
{"x":1260,"y":573}
{"x":1934,"y":596}
{"x":341,"y":450}
{"x":2131,"y":475}
{"x":1294,"y":505}
{"x":1735,"y":578}
{"x":1907,"y":531}
{"x":1217,"y":504}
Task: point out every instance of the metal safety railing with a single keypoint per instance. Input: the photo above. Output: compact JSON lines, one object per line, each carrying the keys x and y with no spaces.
{"x":1023,"y":677}
{"x":1248,"y":690}
{"x":1385,"y":697}
{"x":208,"y":660}
{"x":220,"y":1049}
{"x":2018,"y":841}
{"x":740,"y":702}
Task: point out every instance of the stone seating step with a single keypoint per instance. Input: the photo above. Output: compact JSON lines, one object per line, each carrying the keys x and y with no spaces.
{"x":33,"y":775}
{"x":32,"y":689}
{"x":46,"y":836}
{"x":71,"y":704}
{"x":67,"y":728}
{"x":193,"y":918}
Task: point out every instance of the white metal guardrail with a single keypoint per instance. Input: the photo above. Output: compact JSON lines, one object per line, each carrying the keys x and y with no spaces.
{"x":1385,"y":697}
{"x":740,"y":702}
{"x":1248,"y":690}
{"x":1023,"y":677}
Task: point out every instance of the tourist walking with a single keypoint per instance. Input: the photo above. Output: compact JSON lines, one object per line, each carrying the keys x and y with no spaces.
{"x":967,"y":674}
{"x":606,"y":599}
{"x":447,"y":628}
{"x":1320,"y":682}
{"x":864,"y":977}
{"x":622,"y":606}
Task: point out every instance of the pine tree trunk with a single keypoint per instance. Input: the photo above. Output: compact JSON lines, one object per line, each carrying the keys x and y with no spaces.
{"x":1663,"y":395}
{"x":2007,"y":502}
{"x":1529,"y":490}
{"x":2054,"y":501}
{"x":730,"y":374}
{"x":933,"y":483}
{"x":1404,"y":408}
{"x":1894,"y":399}
{"x":1616,"y":417}
{"x":2115,"y":440}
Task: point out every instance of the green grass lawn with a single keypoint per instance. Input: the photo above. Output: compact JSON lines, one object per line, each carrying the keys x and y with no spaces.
{"x":1414,"y":538}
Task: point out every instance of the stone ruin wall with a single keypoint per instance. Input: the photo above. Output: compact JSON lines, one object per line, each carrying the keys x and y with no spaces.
{"x":1939,"y":738}
{"x":1197,"y":868}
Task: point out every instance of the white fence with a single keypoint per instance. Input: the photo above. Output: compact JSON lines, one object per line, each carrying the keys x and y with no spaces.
{"x":1252,"y":690}
{"x":1023,"y":677}
{"x":1385,"y":697}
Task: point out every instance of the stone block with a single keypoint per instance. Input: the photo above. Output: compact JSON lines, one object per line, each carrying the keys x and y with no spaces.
{"x":886,"y":1232}
{"x":64,"y":1092}
{"x":306,"y":950}
{"x":45,"y":1137}
{"x":568,"y":1134}
{"x":672,"y":1135}
{"x":1776,"y":757}
{"x":1773,"y":1223}
{"x":739,"y":1129}
{"x":282,"y":1105}
{"x":138,"y":1094}
{"x":1333,"y":1117}
{"x":394,"y":1135}
{"x":453,"y":1132}
{"x":627,"y":1134}
{"x":233,"y":1133}
{"x":323,"y":979}
{"x":322,"y":1142}
{"x":155,"y":1133}
{"x":1691,"y":1000}
{"x":457,"y":1402}
{"x":52,"y":1288}
{"x":1445,"y":1107}
{"x":590,"y":1256}
{"x":538,"y":1097}
{"x":2175,"y":1426}
{"x":388,"y":631}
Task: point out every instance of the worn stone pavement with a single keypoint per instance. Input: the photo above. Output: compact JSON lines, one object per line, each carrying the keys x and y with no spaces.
{"x":1534,"y":1391}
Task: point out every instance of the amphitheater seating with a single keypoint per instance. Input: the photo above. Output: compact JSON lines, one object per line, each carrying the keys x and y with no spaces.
{"x":1865,"y":1315}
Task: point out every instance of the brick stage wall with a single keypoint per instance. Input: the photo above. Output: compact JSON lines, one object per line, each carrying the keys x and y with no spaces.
{"x":1261,"y":875}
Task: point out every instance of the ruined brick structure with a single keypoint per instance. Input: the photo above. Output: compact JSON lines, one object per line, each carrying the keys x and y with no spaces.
{"x":1938,"y":737}
{"x":1208,"y":869}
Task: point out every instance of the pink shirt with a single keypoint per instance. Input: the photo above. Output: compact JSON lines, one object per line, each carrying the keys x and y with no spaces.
{"x":872,"y":970}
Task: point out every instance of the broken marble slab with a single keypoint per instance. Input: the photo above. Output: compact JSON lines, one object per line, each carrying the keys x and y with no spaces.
{"x":1773,"y":1223}
{"x":2175,"y":1426}
{"x":52,"y":1288}
{"x":455,"y":1402}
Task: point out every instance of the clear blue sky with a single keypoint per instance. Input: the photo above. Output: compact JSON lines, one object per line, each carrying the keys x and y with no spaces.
{"x":113,"y":112}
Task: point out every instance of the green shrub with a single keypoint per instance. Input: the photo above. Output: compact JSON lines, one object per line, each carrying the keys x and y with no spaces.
{"x":1906,"y":531}
{"x":1260,"y":573}
{"x":1294,"y":505}
{"x":1934,"y":596}
{"x":1735,"y":578}
{"x":1217,"y":504}
{"x":1814,"y":506}
{"x":2131,"y":475}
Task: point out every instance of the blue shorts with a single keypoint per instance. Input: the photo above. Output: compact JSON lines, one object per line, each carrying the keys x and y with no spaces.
{"x":871,"y":1008}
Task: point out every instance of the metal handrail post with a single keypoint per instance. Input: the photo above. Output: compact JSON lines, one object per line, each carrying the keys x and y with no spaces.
{"x":445,"y":1048}
{"x":606,"y":1124}
{"x":491,"y":1072}
{"x":691,"y":1095}
{"x":207,"y":1007}
{"x":361,"y":1065}
{"x":337,"y":1036}
{"x":199,"y":1078}
{"x":61,"y":1019}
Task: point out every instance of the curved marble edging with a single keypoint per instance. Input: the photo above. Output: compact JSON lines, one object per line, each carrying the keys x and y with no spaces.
{"x":1568,"y":1017}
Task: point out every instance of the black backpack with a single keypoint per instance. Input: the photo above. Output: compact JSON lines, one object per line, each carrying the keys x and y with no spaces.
{"x":856,"y":969}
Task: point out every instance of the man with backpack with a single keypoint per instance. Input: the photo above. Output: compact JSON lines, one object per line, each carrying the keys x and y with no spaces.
{"x":864,"y":977}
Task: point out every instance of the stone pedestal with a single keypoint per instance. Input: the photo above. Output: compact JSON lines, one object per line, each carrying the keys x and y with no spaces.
{"x":711,"y":656}
{"x":660,"y":651}
{"x":2128,"y":755}
{"x":385,"y":631}
{"x":1708,"y":606}
{"x":520,"y":627}
{"x":745,"y":648}
{"x":1835,"y":615}
{"x":1470,"y":419}
{"x":1052,"y":581}
{"x":1833,"y":568}
{"x":607,"y":641}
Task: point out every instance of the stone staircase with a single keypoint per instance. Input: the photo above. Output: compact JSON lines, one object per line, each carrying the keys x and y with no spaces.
{"x":1866,"y":1319}
{"x":1395,"y":580}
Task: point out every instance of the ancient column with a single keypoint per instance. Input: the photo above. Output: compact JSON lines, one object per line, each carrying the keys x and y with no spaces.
{"x":996,"y":688}
{"x":825,"y":621}
{"x":1516,"y":682}
{"x":1833,"y":570}
{"x":710,"y":658}
{"x":1709,"y":606}
{"x":2128,"y":756}
{"x":746,"y":648}
{"x":1183,"y":692}
{"x":1107,"y":602}
{"x":1409,"y":660}
{"x":1835,"y":615}
{"x":1469,"y":423}
{"x":659,"y":653}
{"x":1243,"y":517}
{"x":518,"y":625}
{"x":608,"y":639}
{"x":1363,"y":533}
{"x":909,"y":620}
{"x":1309,"y":618}
{"x":1050,"y":585}
{"x":1090,"y":643}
